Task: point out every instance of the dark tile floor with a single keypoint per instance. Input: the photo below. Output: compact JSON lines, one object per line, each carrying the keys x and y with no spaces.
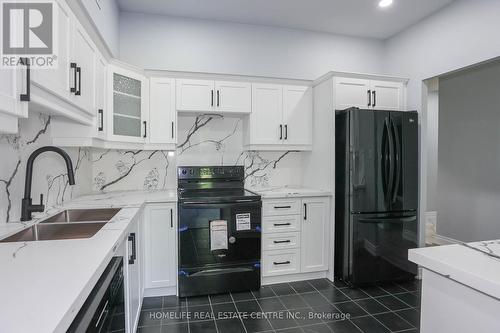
{"x":314,"y":306}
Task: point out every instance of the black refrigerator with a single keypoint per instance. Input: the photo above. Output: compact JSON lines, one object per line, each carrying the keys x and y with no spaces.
{"x":376,"y":195}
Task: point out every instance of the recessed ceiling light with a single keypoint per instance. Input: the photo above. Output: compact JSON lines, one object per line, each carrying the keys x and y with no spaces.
{"x":385,"y":3}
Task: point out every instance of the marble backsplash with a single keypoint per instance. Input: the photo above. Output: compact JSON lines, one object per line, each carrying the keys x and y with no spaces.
{"x":202,"y":140}
{"x":49,"y":172}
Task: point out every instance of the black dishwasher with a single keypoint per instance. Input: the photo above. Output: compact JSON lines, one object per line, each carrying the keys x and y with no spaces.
{"x":104,"y":309}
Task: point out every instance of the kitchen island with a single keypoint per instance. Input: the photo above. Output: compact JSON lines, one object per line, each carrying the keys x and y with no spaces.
{"x":460,"y":287}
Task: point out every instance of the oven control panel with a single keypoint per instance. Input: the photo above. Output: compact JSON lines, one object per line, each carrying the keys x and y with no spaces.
{"x":210,"y":172}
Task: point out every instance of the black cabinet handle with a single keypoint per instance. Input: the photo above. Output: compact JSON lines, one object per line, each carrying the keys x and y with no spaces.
{"x":374,"y":98}
{"x":26,"y":97}
{"x":281,"y":263}
{"x":73,"y":66}
{"x":286,"y":132}
{"x":79,"y":72}
{"x":305,"y":211}
{"x":281,"y":132}
{"x":218,"y":97}
{"x":133,"y":256}
{"x":172,"y":130}
{"x":281,"y":224}
{"x":212,"y":102}
{"x":369,"y":97}
{"x":281,"y":242}
{"x":171,"y":218}
{"x":282,"y":207}
{"x":101,"y":121}
{"x":145,"y":129}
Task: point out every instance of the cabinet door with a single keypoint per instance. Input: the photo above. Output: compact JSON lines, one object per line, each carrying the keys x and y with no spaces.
{"x":162,"y":113}
{"x":297,"y":115}
{"x":13,"y":84}
{"x":352,"y":93}
{"x":267,"y":114}
{"x":127,"y":96}
{"x":161,"y":246}
{"x":314,"y":238}
{"x":84,"y":55}
{"x":57,"y":80}
{"x":195,"y":95}
{"x":234,"y":97}
{"x":388,"y":95}
{"x":132,"y":264}
{"x":100,"y":94}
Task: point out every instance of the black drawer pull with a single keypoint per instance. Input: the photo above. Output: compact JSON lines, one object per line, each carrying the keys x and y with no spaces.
{"x":27,"y":96}
{"x":79,"y":72}
{"x":281,"y":242}
{"x":281,"y":224}
{"x":282,"y":207}
{"x":73,"y":66}
{"x":101,"y":123}
{"x":281,"y":263}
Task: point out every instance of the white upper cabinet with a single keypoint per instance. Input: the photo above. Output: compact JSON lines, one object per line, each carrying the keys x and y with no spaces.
{"x":281,"y":118}
{"x":352,"y":93}
{"x":57,"y":80}
{"x":83,"y":69}
{"x":195,"y":95}
{"x":213,"y":96}
{"x":315,"y":245}
{"x":369,"y":94}
{"x":162,"y":113}
{"x":266,"y":126}
{"x":387,"y":95}
{"x":297,"y":115}
{"x":14,"y":91}
{"x":128,"y":103}
{"x":234,"y":97}
{"x":100,"y":97}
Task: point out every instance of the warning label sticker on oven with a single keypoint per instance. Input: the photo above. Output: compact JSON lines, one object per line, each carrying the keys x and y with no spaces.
{"x":242,"y":221}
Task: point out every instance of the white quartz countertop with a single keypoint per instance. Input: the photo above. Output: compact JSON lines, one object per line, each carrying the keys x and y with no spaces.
{"x":476,"y":265}
{"x":290,"y":192}
{"x":43,"y":284}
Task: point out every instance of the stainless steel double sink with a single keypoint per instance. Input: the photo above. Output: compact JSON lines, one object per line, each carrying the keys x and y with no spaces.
{"x":68,"y":224}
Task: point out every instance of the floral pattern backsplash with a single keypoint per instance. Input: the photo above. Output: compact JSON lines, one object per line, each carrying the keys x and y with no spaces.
{"x":49,"y":171}
{"x":210,"y":139}
{"x":202,"y":140}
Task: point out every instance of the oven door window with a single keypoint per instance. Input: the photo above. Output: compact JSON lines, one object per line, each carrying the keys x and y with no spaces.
{"x":195,"y":238}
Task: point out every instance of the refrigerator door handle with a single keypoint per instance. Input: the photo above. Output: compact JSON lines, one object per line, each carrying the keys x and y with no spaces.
{"x":391,"y":161}
{"x":398,"y":161}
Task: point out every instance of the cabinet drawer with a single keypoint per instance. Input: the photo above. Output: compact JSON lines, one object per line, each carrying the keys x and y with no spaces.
{"x":281,"y":262}
{"x":281,"y":207}
{"x":281,"y":223}
{"x":282,"y":240}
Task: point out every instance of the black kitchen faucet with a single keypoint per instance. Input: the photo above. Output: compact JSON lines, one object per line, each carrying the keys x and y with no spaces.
{"x":27,"y":206}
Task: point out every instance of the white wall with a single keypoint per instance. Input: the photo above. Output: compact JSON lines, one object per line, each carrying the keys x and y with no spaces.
{"x":167,"y":43}
{"x":106,"y":19}
{"x":469,"y":160}
{"x":459,"y":35}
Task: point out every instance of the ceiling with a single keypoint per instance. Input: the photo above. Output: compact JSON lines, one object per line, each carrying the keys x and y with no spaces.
{"x":361,"y":18}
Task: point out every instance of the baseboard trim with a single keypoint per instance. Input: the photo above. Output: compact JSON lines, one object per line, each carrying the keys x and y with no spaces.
{"x":293,"y":277}
{"x":442,"y":240}
{"x":155,"y":292}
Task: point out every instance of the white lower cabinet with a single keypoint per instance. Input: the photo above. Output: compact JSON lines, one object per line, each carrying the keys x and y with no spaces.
{"x":295,"y":236}
{"x":160,"y":246}
{"x":133,"y":275}
{"x":314,"y":235}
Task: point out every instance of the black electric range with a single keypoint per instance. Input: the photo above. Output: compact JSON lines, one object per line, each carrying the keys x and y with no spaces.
{"x":219,"y":231}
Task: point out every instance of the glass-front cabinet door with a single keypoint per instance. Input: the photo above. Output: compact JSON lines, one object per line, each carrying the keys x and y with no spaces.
{"x":128,"y":104}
